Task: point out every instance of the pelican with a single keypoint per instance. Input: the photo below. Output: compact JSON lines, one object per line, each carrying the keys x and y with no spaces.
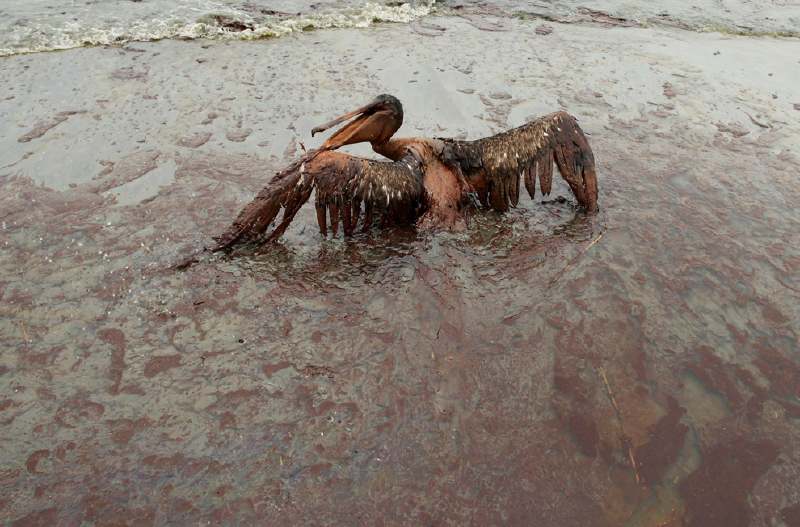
{"x":428,"y":182}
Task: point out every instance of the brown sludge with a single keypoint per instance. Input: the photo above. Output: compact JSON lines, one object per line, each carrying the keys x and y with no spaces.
{"x":403,"y":377}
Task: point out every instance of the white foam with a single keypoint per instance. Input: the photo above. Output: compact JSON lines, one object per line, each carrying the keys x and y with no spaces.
{"x":43,"y":37}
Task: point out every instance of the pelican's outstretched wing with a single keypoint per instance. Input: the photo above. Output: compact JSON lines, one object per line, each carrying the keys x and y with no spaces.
{"x":494,"y":165}
{"x":342,"y":183}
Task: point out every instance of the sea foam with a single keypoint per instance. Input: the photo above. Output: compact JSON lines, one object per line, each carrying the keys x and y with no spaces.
{"x":224,"y":24}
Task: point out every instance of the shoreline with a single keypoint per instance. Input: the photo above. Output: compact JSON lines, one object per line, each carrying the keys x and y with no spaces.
{"x":229,"y":28}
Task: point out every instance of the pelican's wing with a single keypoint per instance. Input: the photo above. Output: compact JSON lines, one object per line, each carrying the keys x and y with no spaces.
{"x":342,"y":183}
{"x":494,"y":165}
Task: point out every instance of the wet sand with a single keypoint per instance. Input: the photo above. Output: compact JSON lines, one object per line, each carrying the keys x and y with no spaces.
{"x":639,"y":367}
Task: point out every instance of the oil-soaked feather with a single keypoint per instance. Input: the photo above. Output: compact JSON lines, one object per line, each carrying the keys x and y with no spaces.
{"x":347,"y":212}
{"x":495,"y":162}
{"x":514,"y":194}
{"x":322,"y":219}
{"x":342,"y":182}
{"x":367,"y":216}
{"x":530,"y":179}
{"x":258,"y":214}
{"x":356,"y":212}
{"x":546,"y":174}
{"x":334,"y":210}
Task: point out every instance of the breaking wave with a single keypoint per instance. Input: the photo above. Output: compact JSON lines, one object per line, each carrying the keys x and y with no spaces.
{"x":223,"y":24}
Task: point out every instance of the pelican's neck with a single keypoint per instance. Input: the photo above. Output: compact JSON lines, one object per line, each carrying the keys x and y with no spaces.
{"x":394,"y":149}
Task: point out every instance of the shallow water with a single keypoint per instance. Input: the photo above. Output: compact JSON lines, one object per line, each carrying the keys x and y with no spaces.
{"x":638,"y":367}
{"x":43,"y":25}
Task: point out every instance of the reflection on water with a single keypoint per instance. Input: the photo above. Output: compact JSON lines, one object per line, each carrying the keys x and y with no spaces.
{"x":490,"y":236}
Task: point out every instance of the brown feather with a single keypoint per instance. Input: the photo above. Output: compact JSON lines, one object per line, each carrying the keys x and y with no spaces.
{"x":356,"y":212}
{"x":333,"y":208}
{"x":347,"y":212}
{"x":530,"y":179}
{"x":495,"y":162}
{"x":322,"y":219}
{"x":367,"y":217}
{"x":257,"y":215}
{"x":546,"y":173}
{"x":342,"y":182}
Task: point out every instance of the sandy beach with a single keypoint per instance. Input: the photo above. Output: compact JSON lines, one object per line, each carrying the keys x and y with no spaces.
{"x":638,"y":367}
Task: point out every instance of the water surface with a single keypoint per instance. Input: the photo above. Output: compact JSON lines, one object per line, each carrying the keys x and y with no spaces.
{"x":638,"y":367}
{"x":43,"y":25}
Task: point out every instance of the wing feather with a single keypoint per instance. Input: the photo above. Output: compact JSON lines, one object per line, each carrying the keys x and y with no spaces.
{"x":545,"y":164}
{"x":494,"y":165}
{"x":530,"y":177}
{"x":342,"y":182}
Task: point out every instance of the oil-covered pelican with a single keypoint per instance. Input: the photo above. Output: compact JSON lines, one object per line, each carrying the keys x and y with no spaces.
{"x":427,"y":181}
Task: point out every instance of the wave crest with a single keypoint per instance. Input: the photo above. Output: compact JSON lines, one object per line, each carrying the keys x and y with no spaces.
{"x":223,"y":25}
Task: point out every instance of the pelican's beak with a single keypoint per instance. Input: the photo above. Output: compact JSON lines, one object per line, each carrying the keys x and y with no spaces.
{"x":369,"y":108}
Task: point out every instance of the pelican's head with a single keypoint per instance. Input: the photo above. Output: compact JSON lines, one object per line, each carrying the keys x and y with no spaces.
{"x":375,"y":122}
